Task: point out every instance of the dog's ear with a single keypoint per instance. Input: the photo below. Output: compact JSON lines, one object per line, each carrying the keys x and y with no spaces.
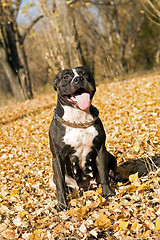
{"x":56,"y":81}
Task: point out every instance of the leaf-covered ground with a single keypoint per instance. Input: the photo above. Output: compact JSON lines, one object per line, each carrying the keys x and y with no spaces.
{"x":130,"y":111}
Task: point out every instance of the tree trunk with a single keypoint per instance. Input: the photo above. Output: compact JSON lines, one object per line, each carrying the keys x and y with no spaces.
{"x":12,"y":77}
{"x":73,"y":54}
{"x":17,"y":58}
{"x":13,"y":58}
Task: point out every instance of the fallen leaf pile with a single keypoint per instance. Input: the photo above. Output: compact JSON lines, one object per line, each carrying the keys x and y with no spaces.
{"x":130,"y":112}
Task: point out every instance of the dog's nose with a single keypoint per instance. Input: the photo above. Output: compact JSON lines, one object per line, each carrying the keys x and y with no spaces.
{"x":78,"y":79}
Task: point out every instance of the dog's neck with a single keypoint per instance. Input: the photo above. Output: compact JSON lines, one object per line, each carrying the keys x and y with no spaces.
{"x":75,"y":117}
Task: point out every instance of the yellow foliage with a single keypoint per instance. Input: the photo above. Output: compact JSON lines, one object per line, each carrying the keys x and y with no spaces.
{"x":157,"y":224}
{"x":122,"y":224}
{"x":14,"y":192}
{"x":102,"y":221}
{"x":133,"y":177}
{"x":131,"y":188}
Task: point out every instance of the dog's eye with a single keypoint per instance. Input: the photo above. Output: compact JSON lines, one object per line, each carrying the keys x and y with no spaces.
{"x":66,"y":77}
{"x":85,"y":74}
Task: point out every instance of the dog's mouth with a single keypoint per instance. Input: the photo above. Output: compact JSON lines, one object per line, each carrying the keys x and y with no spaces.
{"x":81,"y":98}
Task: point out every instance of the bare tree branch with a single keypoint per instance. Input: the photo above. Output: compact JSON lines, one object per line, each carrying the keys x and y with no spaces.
{"x":18,"y":4}
{"x":151,"y":10}
{"x":102,"y":3}
{"x":157,"y":12}
{"x":109,"y":3}
{"x":23,"y":36}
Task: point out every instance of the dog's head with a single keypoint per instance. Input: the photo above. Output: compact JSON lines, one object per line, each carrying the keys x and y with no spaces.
{"x":75,"y":87}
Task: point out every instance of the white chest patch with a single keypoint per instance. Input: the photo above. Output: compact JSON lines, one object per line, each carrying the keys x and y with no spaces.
{"x":79,"y":138}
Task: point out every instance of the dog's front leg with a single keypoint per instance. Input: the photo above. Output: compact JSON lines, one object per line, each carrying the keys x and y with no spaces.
{"x":60,"y":184}
{"x":102,"y":165}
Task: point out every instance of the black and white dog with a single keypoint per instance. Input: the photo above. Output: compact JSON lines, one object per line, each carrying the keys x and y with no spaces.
{"x":77,"y":137}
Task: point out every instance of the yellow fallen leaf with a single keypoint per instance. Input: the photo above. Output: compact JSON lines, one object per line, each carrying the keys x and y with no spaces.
{"x":131,"y":188}
{"x":146,"y":234}
{"x":133,"y":177}
{"x":144,"y":186}
{"x":134,"y":226}
{"x":122,"y":224}
{"x":59,"y":228}
{"x":102,"y":221}
{"x":81,"y":212}
{"x":14,"y":192}
{"x":72,"y":212}
{"x":158,"y":133}
{"x":148,"y":224}
{"x":31,"y":236}
{"x":137,"y":182}
{"x":88,"y":194}
{"x":100,"y":201}
{"x":99,"y":190}
{"x":38,"y":231}
{"x":136,"y":147}
{"x":27,"y":170}
{"x":119,"y":184}
{"x":157,"y":224}
{"x":23,"y":213}
{"x":37,"y":237}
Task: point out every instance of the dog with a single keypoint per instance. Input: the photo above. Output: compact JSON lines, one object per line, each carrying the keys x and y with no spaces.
{"x":77,"y":137}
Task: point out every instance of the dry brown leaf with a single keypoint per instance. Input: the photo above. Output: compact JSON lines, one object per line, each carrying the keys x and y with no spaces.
{"x":102,"y":221}
{"x":3,"y":226}
{"x":122,"y":224}
{"x":131,"y":188}
{"x":59,"y":228}
{"x":10,"y":234}
{"x":157,"y":224}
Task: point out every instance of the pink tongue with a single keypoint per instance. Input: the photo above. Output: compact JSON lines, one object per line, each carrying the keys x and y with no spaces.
{"x":83,"y":100}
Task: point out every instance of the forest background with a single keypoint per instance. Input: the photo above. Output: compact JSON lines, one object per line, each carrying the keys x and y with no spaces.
{"x":114,"y":39}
